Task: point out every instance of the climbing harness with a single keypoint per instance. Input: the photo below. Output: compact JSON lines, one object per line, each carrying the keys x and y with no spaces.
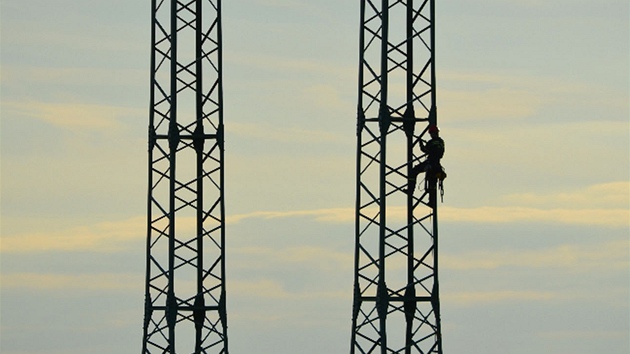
{"x":435,"y":178}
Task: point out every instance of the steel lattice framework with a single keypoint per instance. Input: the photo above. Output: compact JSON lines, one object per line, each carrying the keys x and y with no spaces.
{"x":396,"y":296}
{"x":185,"y":304}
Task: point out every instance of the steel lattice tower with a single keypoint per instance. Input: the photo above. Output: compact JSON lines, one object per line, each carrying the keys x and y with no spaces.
{"x":396,"y":295}
{"x":185,"y":305}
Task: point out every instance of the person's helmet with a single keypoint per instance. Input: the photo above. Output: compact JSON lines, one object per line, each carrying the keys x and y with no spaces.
{"x":433,"y":129}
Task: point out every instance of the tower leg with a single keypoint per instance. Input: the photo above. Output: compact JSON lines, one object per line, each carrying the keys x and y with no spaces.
{"x":395,"y":309}
{"x":186,"y":182}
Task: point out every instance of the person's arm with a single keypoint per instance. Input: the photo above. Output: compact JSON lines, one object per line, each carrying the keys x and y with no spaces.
{"x":422,"y":146}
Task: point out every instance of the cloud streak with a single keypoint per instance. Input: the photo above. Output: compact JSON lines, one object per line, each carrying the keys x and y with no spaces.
{"x":271,"y":289}
{"x":282,"y":134}
{"x":116,"y":236}
{"x":73,"y":116}
{"x":616,"y":217}
{"x":65,"y":282}
{"x":611,"y":255}
{"x":613,"y":194}
{"x":486,"y":297}
{"x":483,"y":96}
{"x":503,"y":215}
{"x":101,"y":237}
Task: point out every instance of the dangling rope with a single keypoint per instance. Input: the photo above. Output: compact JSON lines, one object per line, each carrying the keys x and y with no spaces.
{"x":441,"y":178}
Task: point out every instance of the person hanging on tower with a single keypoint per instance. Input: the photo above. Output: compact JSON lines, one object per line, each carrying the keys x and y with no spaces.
{"x":434,"y":150}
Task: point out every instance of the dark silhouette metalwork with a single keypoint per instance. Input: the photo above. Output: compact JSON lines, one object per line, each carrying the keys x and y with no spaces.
{"x":396,"y":305}
{"x":185,"y":301}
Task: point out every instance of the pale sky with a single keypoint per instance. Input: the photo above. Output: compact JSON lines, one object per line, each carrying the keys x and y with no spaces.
{"x":533,"y":101}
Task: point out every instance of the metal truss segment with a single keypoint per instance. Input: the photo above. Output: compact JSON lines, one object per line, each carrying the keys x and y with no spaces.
{"x":397,"y":95}
{"x":185,"y":284}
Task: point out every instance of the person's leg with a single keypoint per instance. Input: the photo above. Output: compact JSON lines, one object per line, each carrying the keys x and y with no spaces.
{"x":415,"y":171}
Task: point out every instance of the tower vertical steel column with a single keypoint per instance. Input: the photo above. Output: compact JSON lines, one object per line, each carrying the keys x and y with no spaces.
{"x":185,"y":305}
{"x":396,"y":294}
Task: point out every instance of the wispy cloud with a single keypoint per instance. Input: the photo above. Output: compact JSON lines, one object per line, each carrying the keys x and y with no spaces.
{"x":116,"y":236}
{"x":482,"y":96}
{"x":323,"y":260}
{"x":73,"y":116}
{"x":598,"y":217}
{"x":284,"y":64}
{"x":485,"y":297}
{"x":268,"y":288}
{"x":70,"y":282}
{"x":493,"y":103}
{"x":100,"y":237}
{"x":581,"y":335}
{"x":324,"y":215}
{"x":281,"y":3}
{"x":607,"y":195}
{"x":17,"y":76}
{"x":611,"y":255}
{"x":282,"y":134}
